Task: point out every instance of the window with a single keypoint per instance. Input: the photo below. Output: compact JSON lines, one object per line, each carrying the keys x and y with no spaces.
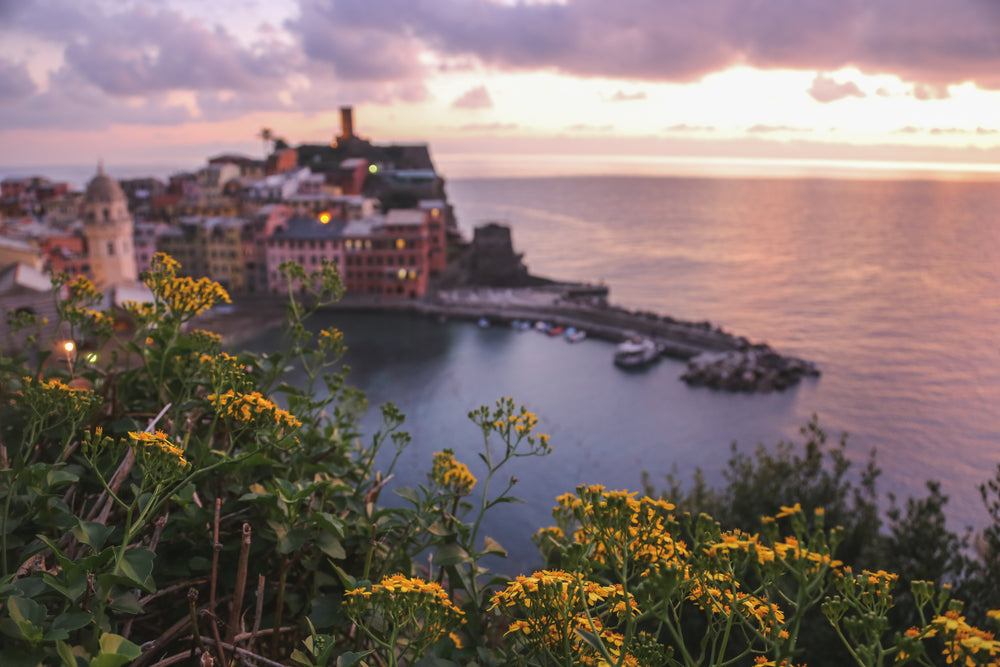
{"x":111,"y":248}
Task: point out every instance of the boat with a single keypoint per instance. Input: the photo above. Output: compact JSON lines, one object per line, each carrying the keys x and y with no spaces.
{"x":483,"y":322}
{"x":636,"y":352}
{"x":520,"y":325}
{"x":555,"y":331}
{"x":542,"y":326}
{"x":574,"y":335}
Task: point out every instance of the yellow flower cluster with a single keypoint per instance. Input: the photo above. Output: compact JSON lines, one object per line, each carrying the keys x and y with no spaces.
{"x":252,"y":408}
{"x":720,"y":594}
{"x":622,"y":527}
{"x":450,"y":474}
{"x":554,"y":604}
{"x":58,"y":398}
{"x":789,"y":549}
{"x":157,"y":444}
{"x":421,"y":607}
{"x":81,"y":289}
{"x":209,"y":338}
{"x":965,"y":644}
{"x":181,"y":297}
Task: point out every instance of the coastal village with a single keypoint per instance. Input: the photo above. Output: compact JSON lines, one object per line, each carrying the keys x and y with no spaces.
{"x":379,"y":213}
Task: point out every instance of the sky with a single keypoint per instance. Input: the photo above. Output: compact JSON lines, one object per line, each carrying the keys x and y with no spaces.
{"x":878,"y":82}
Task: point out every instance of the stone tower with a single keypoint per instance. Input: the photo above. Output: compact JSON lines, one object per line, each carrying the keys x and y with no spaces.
{"x":108,"y":229}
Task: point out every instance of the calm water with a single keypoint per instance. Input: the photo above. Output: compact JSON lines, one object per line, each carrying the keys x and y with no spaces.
{"x":892,"y":287}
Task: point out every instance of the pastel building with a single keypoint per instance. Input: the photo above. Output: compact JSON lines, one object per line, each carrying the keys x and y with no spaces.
{"x":384,"y":256}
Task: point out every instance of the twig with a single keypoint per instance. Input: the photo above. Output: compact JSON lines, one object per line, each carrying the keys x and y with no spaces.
{"x":221,"y":645}
{"x":216,"y":548}
{"x":241,"y":584}
{"x":258,"y":611}
{"x":193,"y":614}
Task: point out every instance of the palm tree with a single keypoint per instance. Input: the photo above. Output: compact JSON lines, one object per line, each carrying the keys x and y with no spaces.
{"x":266,"y":134}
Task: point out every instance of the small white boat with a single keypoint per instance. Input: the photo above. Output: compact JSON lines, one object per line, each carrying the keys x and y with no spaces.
{"x":520,"y":325}
{"x":636,"y":352}
{"x":542,"y":326}
{"x":483,"y":323}
{"x":574,"y":335}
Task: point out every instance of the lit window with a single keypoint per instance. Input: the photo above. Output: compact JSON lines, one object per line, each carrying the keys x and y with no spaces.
{"x":401,"y":274}
{"x":400,"y":244}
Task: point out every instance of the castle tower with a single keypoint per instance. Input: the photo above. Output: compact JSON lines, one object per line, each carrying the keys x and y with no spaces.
{"x":108,"y":228}
{"x":346,"y":123}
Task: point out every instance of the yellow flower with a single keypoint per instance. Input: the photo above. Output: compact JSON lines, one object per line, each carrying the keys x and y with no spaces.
{"x":450,"y":474}
{"x":252,"y":408}
{"x":788,"y":511}
{"x":159,"y":442}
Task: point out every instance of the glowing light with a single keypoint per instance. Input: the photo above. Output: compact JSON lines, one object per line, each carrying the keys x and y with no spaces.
{"x":400,"y":244}
{"x":324,"y":217}
{"x":69,"y":346}
{"x":373,"y":168}
{"x":401,"y":274}
{"x":92,"y":358}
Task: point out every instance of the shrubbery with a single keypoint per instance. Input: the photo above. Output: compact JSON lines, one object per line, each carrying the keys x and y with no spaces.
{"x":160,"y":507}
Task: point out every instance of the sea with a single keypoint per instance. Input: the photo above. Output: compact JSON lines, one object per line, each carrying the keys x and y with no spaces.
{"x":889,"y":283}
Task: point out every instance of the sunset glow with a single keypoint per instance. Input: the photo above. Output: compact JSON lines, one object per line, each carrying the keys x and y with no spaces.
{"x":132,"y":83}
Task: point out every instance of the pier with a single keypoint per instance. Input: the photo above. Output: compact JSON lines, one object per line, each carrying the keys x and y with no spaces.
{"x":716,"y":358}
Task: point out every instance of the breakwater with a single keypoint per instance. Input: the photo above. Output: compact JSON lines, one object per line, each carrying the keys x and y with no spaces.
{"x":716,"y":358}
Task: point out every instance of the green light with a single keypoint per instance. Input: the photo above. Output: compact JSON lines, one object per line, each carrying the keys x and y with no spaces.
{"x":373,"y":168}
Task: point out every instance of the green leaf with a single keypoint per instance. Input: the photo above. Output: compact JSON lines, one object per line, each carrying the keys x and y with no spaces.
{"x":328,"y":522}
{"x":23,"y":610}
{"x":59,"y":477}
{"x":92,"y":534}
{"x":438,"y":528}
{"x":507,"y":499}
{"x":115,"y":651}
{"x":406,"y":493}
{"x":126,"y":602}
{"x":137,"y":568}
{"x":350,"y":659}
{"x":66,"y":654}
{"x":491,"y":546}
{"x":347,"y":580}
{"x":29,"y":616}
{"x":331,"y":546}
{"x":72,"y":620}
{"x":292,"y":541}
{"x":451,"y":554}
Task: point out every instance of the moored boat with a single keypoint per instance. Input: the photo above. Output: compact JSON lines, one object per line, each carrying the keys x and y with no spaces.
{"x":574,"y":335}
{"x":636,"y":352}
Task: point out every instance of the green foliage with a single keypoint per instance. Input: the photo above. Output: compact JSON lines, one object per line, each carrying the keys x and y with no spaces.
{"x":164,"y":500}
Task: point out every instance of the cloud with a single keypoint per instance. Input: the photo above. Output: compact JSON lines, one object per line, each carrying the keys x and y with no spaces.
{"x":771,"y":129}
{"x":474,"y":98}
{"x":15,"y":82}
{"x":583,"y":127}
{"x":621,"y":96}
{"x":825,"y":89}
{"x":923,"y":91}
{"x":488,"y":127}
{"x":684,"y":127}
{"x":678,"y":40}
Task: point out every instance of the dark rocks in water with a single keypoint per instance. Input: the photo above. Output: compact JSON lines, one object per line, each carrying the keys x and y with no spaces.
{"x":756,"y":368}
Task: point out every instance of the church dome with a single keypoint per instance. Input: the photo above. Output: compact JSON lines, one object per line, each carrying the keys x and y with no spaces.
{"x":102,"y":188}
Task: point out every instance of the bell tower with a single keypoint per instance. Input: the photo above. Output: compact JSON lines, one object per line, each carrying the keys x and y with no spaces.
{"x":108,"y":228}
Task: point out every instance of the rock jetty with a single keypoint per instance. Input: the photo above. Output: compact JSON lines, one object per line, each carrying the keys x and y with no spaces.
{"x":757,"y":368}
